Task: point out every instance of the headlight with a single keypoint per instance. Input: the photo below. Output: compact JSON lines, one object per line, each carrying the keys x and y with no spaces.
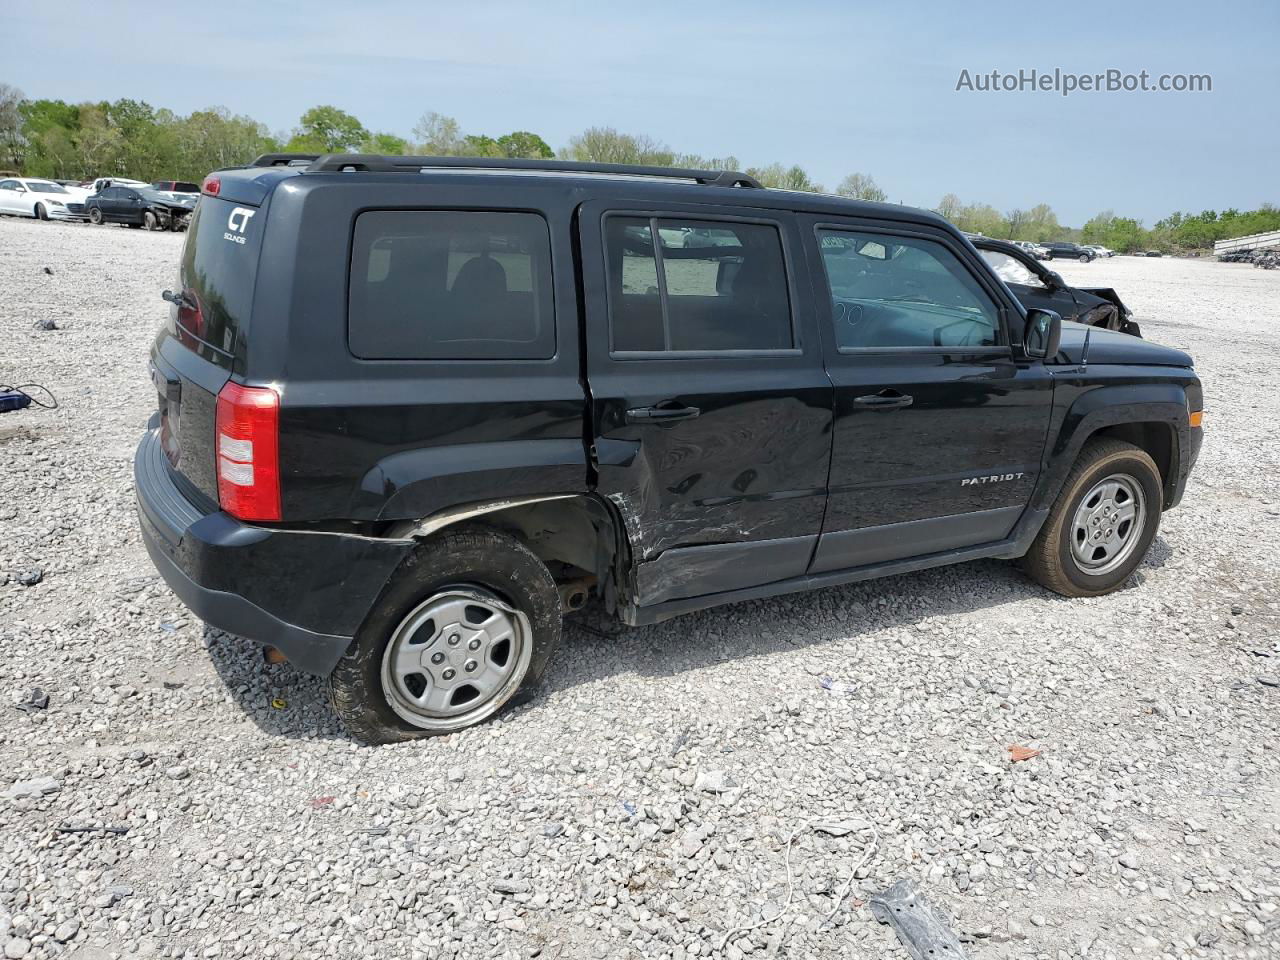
{"x":56,"y":203}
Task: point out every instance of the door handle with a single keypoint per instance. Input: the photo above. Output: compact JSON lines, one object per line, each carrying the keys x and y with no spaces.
{"x":664,"y":412}
{"x":884,"y":400}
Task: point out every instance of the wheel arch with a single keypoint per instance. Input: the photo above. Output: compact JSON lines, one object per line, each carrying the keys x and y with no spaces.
{"x":579,"y":536}
{"x":1151,"y":416}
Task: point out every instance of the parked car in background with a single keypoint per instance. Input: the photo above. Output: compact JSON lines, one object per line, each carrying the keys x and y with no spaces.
{"x":42,"y":199}
{"x":1153,"y":253}
{"x":1099,"y":250}
{"x":1038,"y":287}
{"x":141,"y":207}
{"x":175,"y":186}
{"x":1069,"y":251}
{"x":98,"y":184}
{"x":824,"y":391}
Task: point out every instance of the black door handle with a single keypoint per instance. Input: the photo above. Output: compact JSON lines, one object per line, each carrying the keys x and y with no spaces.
{"x":664,"y":412}
{"x":884,"y":400}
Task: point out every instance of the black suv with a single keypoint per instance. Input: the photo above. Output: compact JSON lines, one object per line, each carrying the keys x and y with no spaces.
{"x":1069,"y":251}
{"x":414,"y":409}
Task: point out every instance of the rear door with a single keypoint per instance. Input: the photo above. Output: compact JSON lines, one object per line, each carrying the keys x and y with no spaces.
{"x":204,"y":339}
{"x":940,"y":420}
{"x":710,"y":408}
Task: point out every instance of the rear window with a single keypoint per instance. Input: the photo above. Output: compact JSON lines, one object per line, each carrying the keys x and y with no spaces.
{"x":706,"y":286}
{"x":219,"y":264}
{"x":451,"y":285}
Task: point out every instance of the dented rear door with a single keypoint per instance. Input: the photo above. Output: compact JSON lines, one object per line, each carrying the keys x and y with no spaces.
{"x":711,"y":411}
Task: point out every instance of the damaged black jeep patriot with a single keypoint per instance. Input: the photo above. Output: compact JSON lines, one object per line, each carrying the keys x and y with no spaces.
{"x":412,"y":410}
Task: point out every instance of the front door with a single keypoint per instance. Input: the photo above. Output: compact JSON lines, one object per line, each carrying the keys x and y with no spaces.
{"x":940,"y":421}
{"x":710,"y":408}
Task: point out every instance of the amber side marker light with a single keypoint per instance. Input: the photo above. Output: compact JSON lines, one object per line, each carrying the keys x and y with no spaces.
{"x":1194,"y":417}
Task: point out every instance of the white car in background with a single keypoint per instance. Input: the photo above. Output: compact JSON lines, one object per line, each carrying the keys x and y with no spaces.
{"x":42,"y":199}
{"x":1099,"y":249}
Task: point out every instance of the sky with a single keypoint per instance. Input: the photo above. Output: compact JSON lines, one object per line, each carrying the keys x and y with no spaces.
{"x":837,"y":87}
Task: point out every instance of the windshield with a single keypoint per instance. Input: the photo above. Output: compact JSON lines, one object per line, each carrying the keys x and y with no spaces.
{"x":44,"y":186}
{"x":1008,"y":269}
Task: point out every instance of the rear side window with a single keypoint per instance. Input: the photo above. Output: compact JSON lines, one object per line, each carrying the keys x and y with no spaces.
{"x":705,"y":286}
{"x":451,"y":285}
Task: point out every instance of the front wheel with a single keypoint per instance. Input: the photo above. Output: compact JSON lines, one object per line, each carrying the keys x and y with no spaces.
{"x":1085,"y":258}
{"x":467,"y":626}
{"x":1102,"y":523}
{"x":40,"y":212}
{"x":95,"y":216}
{"x":149,"y":221}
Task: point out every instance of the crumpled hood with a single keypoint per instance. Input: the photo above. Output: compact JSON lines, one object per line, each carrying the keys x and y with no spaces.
{"x":1111,"y":346}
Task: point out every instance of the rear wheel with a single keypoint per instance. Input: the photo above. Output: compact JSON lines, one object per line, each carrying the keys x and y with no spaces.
{"x":95,"y":216}
{"x":1102,"y":523}
{"x":466,"y":628}
{"x":40,"y":212}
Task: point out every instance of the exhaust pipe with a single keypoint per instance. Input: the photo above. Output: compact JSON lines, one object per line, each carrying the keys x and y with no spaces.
{"x":574,"y":593}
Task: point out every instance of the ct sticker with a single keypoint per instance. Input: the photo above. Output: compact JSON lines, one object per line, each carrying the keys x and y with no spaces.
{"x":236,"y":223}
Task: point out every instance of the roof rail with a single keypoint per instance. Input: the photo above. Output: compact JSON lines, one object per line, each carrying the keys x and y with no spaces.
{"x":376,"y":163}
{"x":284,"y":159}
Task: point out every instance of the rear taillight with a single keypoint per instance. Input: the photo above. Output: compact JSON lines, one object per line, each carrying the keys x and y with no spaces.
{"x":211,"y":186}
{"x":248,"y":431}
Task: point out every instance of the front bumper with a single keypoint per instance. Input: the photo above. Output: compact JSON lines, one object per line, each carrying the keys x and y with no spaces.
{"x":305,"y":593}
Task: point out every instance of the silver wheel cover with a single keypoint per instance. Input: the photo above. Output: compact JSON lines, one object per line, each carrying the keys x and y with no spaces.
{"x":455,"y":659}
{"x":1108,"y":524}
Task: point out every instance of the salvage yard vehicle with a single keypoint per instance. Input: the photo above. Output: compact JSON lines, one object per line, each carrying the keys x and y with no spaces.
{"x":412,"y":410}
{"x":141,"y":207}
{"x":1099,"y":250}
{"x":176,"y":186}
{"x":1036,"y":286}
{"x":41,"y":199}
{"x":1068,"y":251}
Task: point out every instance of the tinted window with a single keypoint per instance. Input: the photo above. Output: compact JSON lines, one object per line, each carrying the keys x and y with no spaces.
{"x":903,"y":292}
{"x":705,"y":286}
{"x":219,"y":264}
{"x":437,"y":285}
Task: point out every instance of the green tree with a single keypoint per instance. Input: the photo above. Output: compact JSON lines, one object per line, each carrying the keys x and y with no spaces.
{"x":437,"y":135}
{"x":326,"y":129}
{"x":607,"y":145}
{"x":387,"y":144}
{"x":12,"y":142}
{"x":949,"y":207}
{"x":526,"y":145}
{"x":781,"y":177}
{"x":859,"y":186}
{"x":477,"y":145}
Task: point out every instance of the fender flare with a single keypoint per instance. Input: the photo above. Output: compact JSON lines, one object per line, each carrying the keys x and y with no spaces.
{"x":1116,"y":405}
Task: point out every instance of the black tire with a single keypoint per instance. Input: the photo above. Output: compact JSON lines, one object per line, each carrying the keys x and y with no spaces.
{"x":40,"y":212}
{"x":150,"y":221}
{"x":134,"y":226}
{"x":474,"y":557}
{"x":1085,"y":258}
{"x":1053,"y":563}
{"x":95,"y":216}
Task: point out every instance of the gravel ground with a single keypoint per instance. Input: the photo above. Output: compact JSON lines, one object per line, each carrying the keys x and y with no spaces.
{"x":642,"y":807}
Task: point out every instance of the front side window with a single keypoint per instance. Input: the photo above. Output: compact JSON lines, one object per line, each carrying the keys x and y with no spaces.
{"x":889,"y":292}
{"x":705,"y":286}
{"x":451,"y":285}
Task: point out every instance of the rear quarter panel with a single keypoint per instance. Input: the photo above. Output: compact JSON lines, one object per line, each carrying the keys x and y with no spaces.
{"x":381,"y":440}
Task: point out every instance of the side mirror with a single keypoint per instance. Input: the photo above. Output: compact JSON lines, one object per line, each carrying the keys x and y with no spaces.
{"x":1044,"y":334}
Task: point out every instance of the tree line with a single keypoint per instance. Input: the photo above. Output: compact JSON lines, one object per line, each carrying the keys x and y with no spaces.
{"x":65,"y":141}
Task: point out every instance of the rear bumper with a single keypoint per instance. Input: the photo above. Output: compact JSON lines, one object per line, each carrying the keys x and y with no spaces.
{"x":305,"y":593}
